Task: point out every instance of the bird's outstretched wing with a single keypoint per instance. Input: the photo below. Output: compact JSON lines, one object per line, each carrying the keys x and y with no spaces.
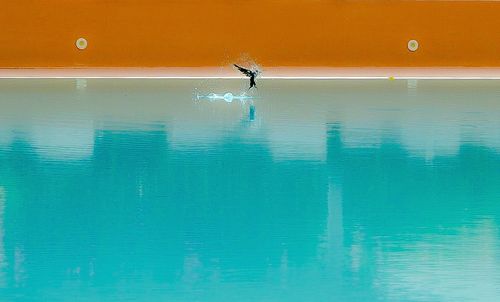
{"x":245,"y":71}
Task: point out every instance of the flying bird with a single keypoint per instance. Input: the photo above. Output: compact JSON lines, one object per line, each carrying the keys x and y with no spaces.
{"x":252,"y":74}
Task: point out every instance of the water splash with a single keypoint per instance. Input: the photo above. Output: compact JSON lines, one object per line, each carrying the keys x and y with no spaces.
{"x":228,"y":97}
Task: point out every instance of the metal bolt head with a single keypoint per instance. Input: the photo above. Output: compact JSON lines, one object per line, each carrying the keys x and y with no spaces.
{"x":412,"y":45}
{"x":81,"y":43}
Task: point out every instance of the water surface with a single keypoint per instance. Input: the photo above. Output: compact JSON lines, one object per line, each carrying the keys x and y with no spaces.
{"x":133,"y":190}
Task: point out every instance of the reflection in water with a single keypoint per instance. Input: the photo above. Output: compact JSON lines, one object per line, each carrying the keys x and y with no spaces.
{"x":3,"y":260}
{"x":66,"y":141}
{"x":336,"y":190}
{"x":465,"y":264}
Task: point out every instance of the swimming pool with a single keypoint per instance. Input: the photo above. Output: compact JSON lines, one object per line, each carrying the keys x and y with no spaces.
{"x":334,"y":190}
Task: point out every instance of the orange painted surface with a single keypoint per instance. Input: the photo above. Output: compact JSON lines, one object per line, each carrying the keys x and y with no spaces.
{"x":162,"y":33}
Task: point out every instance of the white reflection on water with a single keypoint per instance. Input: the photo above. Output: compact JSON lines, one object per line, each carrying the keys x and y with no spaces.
{"x":5,"y":136}
{"x":428,"y":122}
{"x":297,"y":140}
{"x":69,"y":140}
{"x":19,"y":271}
{"x":430,"y":137}
{"x":449,"y":267}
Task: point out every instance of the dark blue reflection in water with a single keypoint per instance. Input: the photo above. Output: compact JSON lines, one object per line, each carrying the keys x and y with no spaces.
{"x":131,"y":191}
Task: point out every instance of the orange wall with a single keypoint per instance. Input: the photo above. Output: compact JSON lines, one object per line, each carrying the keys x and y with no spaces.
{"x":132,"y":33}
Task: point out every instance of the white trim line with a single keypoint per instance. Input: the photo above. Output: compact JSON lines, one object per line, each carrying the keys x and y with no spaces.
{"x":264,"y":78}
{"x":285,"y":73}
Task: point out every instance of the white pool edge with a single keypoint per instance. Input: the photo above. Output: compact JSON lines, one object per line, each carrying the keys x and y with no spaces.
{"x":286,"y":73}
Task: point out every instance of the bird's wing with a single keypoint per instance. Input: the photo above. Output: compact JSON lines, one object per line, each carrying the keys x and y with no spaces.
{"x":245,"y":71}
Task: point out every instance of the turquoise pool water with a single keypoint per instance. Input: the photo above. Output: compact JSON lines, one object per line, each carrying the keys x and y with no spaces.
{"x":133,"y":190}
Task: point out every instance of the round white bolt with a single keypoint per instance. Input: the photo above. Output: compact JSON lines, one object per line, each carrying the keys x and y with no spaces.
{"x":412,"y":45}
{"x":81,"y":43}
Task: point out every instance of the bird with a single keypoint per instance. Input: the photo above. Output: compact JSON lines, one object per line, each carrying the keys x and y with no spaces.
{"x":252,"y":74}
